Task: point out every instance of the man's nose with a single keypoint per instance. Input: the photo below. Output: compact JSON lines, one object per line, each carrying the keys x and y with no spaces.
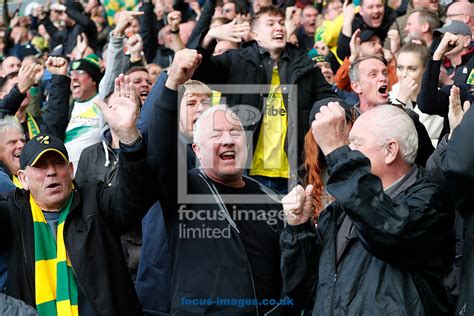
{"x":227,"y":139}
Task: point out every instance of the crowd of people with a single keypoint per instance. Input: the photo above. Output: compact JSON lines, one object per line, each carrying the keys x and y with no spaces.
{"x":236,"y":157}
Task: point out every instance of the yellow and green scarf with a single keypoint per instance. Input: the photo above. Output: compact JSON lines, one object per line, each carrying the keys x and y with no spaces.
{"x":33,"y":128}
{"x":55,"y":283}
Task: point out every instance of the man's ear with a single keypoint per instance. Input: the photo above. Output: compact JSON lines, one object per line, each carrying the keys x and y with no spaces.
{"x":71,"y":170}
{"x":467,"y":41}
{"x":391,"y":151}
{"x":355,"y":87}
{"x":197,"y":151}
{"x":23,"y":179}
{"x":425,"y":27}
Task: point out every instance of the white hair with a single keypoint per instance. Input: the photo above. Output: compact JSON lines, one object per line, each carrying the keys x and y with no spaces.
{"x":10,"y":123}
{"x":390,"y":122}
{"x":210,"y":111}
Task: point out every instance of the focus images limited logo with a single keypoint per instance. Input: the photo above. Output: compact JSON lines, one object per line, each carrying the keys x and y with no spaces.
{"x":195,"y":224}
{"x":250,"y":117}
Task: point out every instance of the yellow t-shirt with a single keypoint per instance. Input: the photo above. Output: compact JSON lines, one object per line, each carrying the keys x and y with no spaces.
{"x":270,"y":158}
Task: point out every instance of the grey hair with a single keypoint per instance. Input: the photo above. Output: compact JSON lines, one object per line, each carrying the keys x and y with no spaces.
{"x":354,"y":74}
{"x":211,"y":111}
{"x":390,"y":122}
{"x":10,"y":123}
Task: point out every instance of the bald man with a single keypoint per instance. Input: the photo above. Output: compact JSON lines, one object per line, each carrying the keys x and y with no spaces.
{"x":461,"y":11}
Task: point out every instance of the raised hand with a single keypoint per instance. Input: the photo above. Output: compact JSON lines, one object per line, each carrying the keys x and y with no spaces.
{"x":121,"y":111}
{"x":354,"y":45}
{"x":135,"y":46}
{"x":174,"y":20}
{"x":124,"y":20}
{"x":321,"y":48}
{"x":182,"y":69}
{"x":57,"y":65}
{"x":329,"y":128}
{"x":450,"y":44}
{"x":232,"y":31}
{"x":456,"y":112}
{"x":348,"y":12}
{"x":395,"y":41}
{"x":27,"y":76}
{"x":298,"y":205}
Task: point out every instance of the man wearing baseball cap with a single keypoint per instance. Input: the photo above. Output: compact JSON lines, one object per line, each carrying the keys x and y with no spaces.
{"x":65,"y":256}
{"x":456,"y":51}
{"x":83,"y":129}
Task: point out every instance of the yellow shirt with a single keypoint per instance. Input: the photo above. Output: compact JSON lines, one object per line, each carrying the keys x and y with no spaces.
{"x":270,"y":158}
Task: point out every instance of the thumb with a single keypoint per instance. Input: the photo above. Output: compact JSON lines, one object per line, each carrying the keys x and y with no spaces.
{"x":309,"y":192}
{"x":466,"y":106}
{"x":101,"y":104}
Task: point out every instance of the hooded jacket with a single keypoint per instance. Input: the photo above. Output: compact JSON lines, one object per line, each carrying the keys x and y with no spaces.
{"x":206,"y":268}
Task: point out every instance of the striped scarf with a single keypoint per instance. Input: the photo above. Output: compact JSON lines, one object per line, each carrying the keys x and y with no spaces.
{"x":55,"y":283}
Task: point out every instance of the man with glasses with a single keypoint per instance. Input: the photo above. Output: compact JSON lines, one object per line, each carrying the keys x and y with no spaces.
{"x":387,"y":240}
{"x":83,"y":129}
{"x":461,"y":11}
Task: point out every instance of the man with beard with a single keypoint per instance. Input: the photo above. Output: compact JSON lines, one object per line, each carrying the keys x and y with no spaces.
{"x":420,"y":26}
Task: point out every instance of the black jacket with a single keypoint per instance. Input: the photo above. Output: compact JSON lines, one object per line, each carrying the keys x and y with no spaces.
{"x":98,"y":163}
{"x":343,"y":47}
{"x":55,"y":118}
{"x":434,"y":101}
{"x":392,"y":259}
{"x":98,"y":216}
{"x":205,"y":268}
{"x":68,"y":36}
{"x":456,"y":164}
{"x":251,"y":66}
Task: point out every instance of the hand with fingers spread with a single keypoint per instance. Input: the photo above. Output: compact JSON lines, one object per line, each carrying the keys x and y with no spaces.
{"x":330,"y":128}
{"x":27,"y":76}
{"x":182,"y":69}
{"x":124,"y":20}
{"x":232,"y":31}
{"x":456,"y":112}
{"x":81,"y":46}
{"x":121,"y":112}
{"x":298,"y":205}
{"x":57,"y":65}
{"x":354,"y":45}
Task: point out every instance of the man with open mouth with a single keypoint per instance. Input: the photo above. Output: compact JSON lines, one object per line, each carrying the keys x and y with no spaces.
{"x":369,"y":80}
{"x":269,"y":60}
{"x":373,"y":16}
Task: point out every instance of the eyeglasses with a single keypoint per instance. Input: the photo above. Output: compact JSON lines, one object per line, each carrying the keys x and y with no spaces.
{"x":455,"y":14}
